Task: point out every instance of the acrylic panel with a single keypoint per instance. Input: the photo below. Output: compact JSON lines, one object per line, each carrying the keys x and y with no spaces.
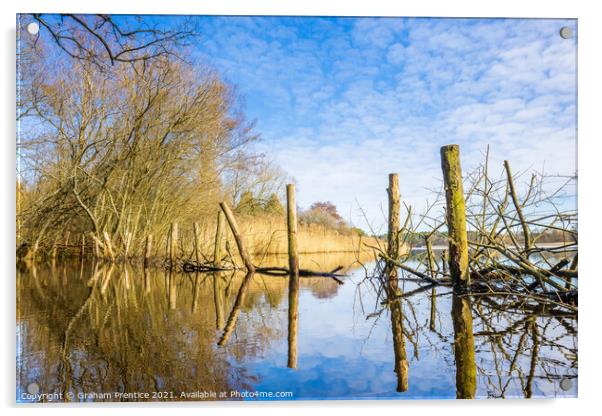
{"x":295,"y":208}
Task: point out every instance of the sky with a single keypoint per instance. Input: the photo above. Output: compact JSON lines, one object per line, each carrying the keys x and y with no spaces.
{"x":342,"y":102}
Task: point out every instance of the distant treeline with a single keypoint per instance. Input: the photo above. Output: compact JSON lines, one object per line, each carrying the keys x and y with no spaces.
{"x":417,"y":239}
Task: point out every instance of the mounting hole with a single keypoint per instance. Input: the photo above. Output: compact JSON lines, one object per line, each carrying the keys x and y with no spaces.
{"x":33,"y":388}
{"x":33,"y":28}
{"x":566,"y":384}
{"x":566,"y":32}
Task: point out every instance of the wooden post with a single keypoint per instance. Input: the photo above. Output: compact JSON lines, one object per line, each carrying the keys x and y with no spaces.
{"x":392,"y":286}
{"x":430,"y":257}
{"x":293,"y":286}
{"x":444,"y":260}
{"x":82,"y":250}
{"x":173,"y":243}
{"x":148,"y":246}
{"x":456,"y":215}
{"x":394,"y":217}
{"x":219,"y":231}
{"x":197,"y":249}
{"x":237,"y":237}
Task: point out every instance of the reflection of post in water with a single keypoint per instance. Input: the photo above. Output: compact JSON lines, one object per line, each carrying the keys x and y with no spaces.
{"x":195,"y":292}
{"x":433,"y":274}
{"x":466,"y":368}
{"x":433,"y":309}
{"x":147,"y":286}
{"x":392,"y":287}
{"x":293,"y":286}
{"x":532,"y":326}
{"x":218,"y":300}
{"x":107,"y":279}
{"x":236,"y":309}
{"x":172,"y":292}
{"x":399,"y":347}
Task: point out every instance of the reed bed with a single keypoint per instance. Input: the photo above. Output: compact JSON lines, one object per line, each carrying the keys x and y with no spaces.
{"x":267,"y":235}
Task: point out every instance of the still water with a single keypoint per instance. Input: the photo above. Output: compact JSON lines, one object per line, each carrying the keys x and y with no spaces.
{"x":93,"y":332}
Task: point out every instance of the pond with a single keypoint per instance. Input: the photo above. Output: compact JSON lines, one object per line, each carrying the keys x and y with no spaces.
{"x":97,"y":332}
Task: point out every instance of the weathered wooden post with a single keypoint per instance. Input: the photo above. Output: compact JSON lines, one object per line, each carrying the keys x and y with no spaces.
{"x":293,"y":286}
{"x":456,"y":215}
{"x":444,"y":260}
{"x":219,"y":232}
{"x":237,"y":237}
{"x":394,"y":220}
{"x":173,"y":243}
{"x":148,"y":247}
{"x":392,"y":287}
{"x":197,"y":249}
{"x":82,"y":250}
{"x":430,"y":257}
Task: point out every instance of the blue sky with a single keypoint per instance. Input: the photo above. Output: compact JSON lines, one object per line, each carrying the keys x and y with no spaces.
{"x":342,"y":102}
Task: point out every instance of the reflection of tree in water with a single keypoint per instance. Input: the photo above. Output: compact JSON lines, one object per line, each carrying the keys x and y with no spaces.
{"x":111,"y":328}
{"x":521,"y":345}
{"x":103,"y":328}
{"x":501,"y":346}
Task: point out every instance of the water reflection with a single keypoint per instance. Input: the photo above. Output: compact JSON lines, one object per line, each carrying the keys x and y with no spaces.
{"x":394,"y":300}
{"x":464,"y":354}
{"x":90,"y":328}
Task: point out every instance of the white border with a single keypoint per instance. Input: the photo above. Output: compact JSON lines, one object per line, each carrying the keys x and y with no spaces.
{"x":590,"y":114}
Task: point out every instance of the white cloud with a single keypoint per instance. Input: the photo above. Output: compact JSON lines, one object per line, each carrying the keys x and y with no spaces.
{"x":350,"y":105}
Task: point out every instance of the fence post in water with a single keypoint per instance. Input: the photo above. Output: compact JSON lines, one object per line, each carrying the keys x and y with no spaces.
{"x":293,"y":286}
{"x":173,"y":243}
{"x":234,"y":227}
{"x":456,"y":215}
{"x":394,"y":221}
{"x":430,"y":257}
{"x":82,"y":250}
{"x":444,"y":261}
{"x":219,"y":231}
{"x":148,"y":246}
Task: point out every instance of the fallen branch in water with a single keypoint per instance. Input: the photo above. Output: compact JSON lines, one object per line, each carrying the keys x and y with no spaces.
{"x":282,"y":271}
